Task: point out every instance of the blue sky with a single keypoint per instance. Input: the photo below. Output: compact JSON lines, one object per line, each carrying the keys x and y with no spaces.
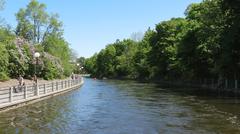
{"x":92,"y":24}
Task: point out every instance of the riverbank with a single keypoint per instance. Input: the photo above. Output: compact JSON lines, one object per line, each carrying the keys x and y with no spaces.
{"x":12,"y":97}
{"x":209,"y":86}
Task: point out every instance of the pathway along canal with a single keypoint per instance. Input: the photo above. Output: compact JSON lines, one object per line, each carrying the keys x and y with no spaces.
{"x":126,"y":107}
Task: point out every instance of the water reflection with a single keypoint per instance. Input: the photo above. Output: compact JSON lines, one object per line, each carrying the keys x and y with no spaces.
{"x":124,"y":107}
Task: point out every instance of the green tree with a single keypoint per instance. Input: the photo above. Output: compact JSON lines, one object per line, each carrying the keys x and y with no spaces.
{"x":45,"y":31}
{"x":81,"y":61}
{"x":58,"y":47}
{"x":4,"y":62}
{"x":24,"y":26}
{"x":230,"y":53}
{"x":164,"y":42}
{"x":204,"y":44}
{"x":140,"y":59}
{"x":124,"y":64}
{"x":36,"y":14}
{"x":206,"y":23}
{"x":105,"y":62}
{"x":90,"y":65}
{"x":35,"y":24}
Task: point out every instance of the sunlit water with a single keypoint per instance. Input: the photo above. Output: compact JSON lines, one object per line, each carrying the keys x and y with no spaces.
{"x":125,"y":107}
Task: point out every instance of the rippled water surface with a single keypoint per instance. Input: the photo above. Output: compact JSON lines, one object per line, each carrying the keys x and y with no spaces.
{"x":125,"y":107}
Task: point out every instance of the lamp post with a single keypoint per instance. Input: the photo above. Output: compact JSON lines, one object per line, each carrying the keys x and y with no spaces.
{"x":82,"y":70}
{"x":36,"y":55}
{"x":78,"y":68}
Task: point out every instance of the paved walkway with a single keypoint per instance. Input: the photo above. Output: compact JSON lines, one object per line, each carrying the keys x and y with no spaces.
{"x":15,"y":96}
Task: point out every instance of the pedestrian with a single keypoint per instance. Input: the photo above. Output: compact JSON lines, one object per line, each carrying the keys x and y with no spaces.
{"x":72,"y":76}
{"x":35,"y":79}
{"x":21,"y":83}
{"x":76,"y":77}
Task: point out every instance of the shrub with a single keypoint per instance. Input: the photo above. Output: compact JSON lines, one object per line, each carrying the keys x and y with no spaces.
{"x":3,"y":76}
{"x":52,"y":68}
{"x":4,"y":58}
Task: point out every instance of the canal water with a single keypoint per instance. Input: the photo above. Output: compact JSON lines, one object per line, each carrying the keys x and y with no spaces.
{"x":125,"y":107}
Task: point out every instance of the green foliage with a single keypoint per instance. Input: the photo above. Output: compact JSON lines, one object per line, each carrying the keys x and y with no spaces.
{"x":230,"y":48}
{"x":50,"y":70}
{"x":59,"y":48}
{"x":105,"y":62}
{"x":4,"y":62}
{"x":3,"y":76}
{"x":204,"y":44}
{"x":35,"y":24}
{"x":124,"y":62}
{"x":79,"y":67}
{"x":4,"y":58}
{"x":36,"y":31}
{"x":17,"y":62}
{"x":116,"y":60}
{"x":81,"y":61}
{"x":90,"y":65}
{"x":6,"y":36}
{"x":31,"y":20}
{"x":162,"y":56}
{"x":140,"y":59}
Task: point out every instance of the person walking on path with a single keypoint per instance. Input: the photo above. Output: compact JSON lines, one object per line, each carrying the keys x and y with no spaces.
{"x":35,"y":79}
{"x":21,"y":80}
{"x":72,"y":76}
{"x":21,"y":83}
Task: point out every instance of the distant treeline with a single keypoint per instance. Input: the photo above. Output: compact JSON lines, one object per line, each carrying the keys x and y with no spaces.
{"x":36,"y":31}
{"x":204,"y":44}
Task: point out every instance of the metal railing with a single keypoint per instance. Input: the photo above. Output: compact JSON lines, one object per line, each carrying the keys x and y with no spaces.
{"x":9,"y":95}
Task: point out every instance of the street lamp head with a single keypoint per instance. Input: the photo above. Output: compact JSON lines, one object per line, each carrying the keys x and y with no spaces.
{"x":36,"y":54}
{"x":78,"y":64}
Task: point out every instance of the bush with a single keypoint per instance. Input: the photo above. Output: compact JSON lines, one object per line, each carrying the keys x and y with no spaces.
{"x":17,"y":64}
{"x":4,"y":58}
{"x":3,"y":76}
{"x":52,"y":68}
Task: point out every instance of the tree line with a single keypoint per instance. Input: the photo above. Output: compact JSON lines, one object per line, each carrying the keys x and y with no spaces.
{"x":36,"y":31}
{"x":203,"y":44}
